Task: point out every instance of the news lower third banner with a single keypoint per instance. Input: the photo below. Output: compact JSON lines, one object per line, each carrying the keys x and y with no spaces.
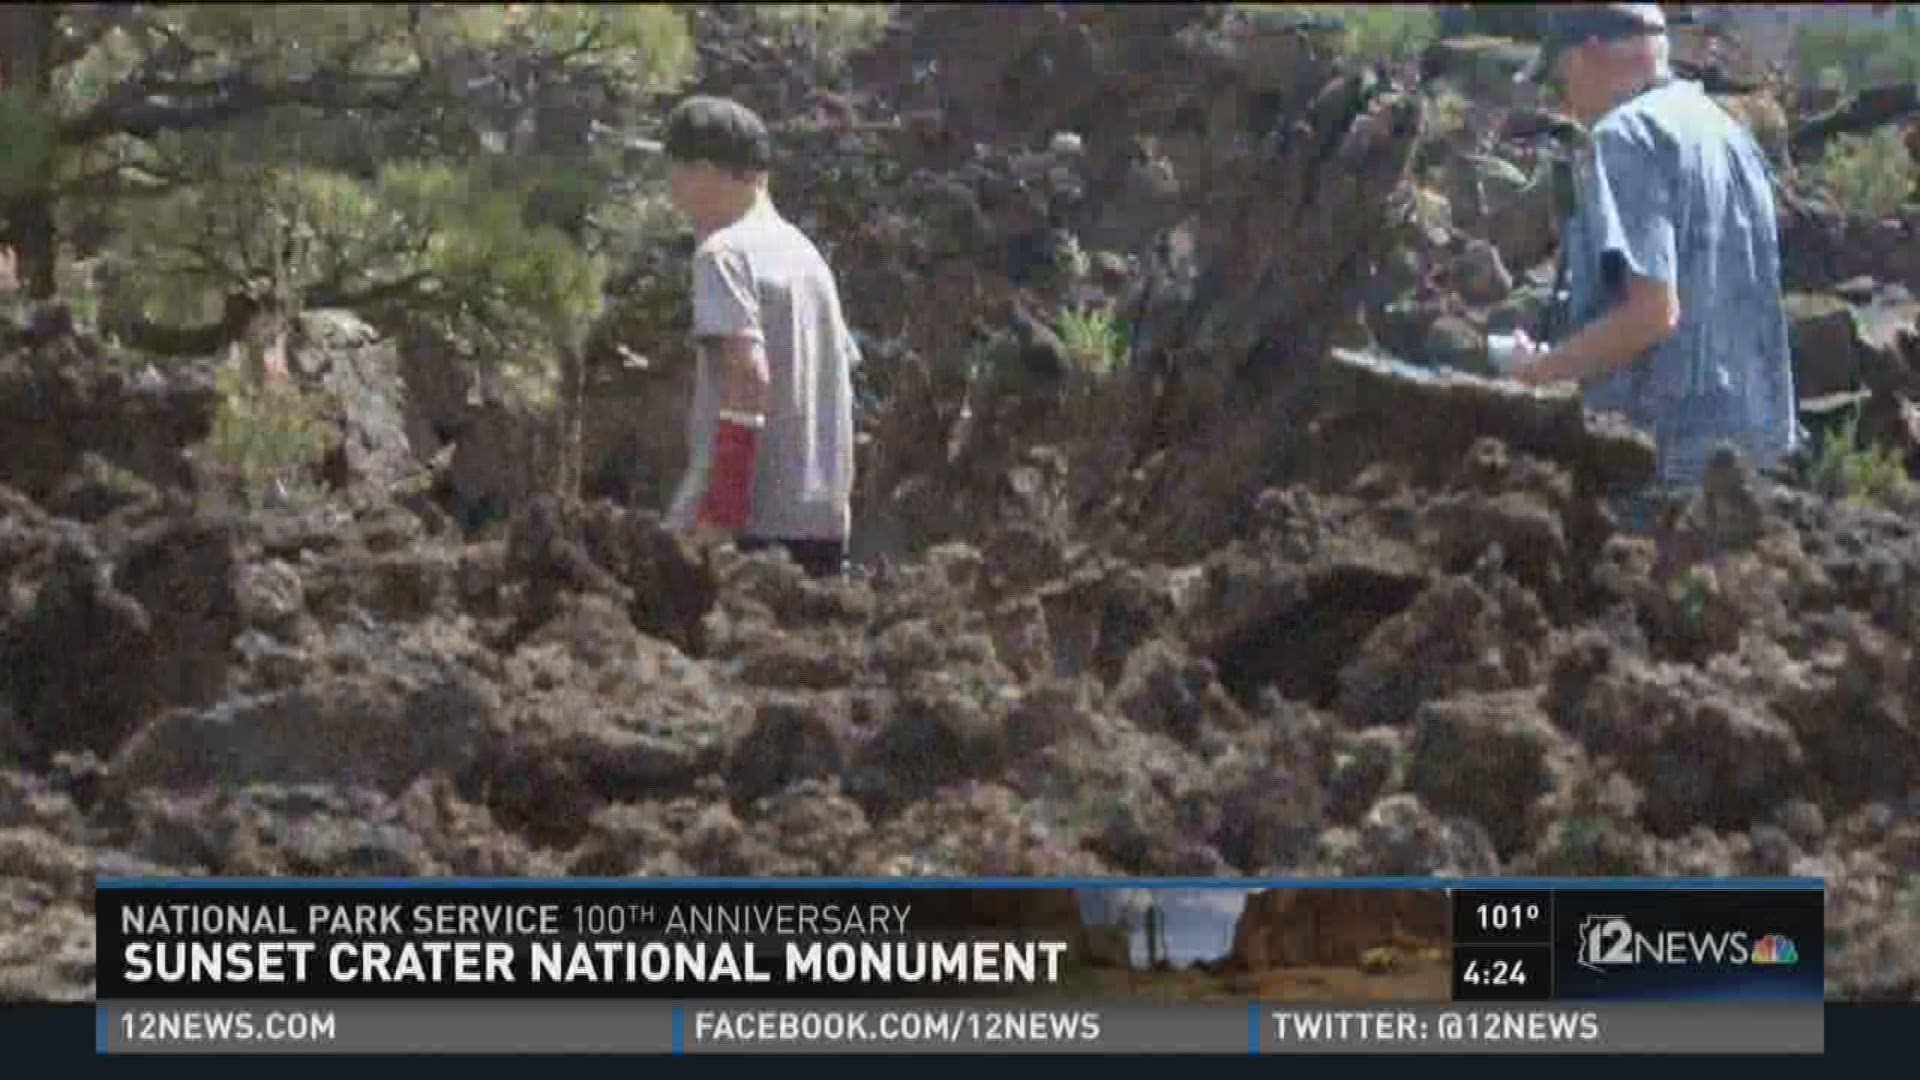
{"x":653,"y":966}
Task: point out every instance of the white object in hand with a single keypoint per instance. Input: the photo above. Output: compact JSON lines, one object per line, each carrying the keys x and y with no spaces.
{"x":1509,"y":351}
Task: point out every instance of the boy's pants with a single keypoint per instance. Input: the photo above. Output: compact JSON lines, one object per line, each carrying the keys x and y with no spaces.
{"x":819,"y":558}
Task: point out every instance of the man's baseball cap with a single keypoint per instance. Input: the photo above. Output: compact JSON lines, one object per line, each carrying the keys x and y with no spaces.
{"x":1567,"y":26}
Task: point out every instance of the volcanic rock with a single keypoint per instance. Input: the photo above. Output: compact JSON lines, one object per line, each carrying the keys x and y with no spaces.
{"x":1484,"y":757}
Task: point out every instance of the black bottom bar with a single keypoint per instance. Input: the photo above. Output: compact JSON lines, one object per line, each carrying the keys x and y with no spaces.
{"x":37,"y":1032}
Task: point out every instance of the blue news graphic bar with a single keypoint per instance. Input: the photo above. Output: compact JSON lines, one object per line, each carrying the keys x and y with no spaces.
{"x":36,"y":1032}
{"x":1587,"y":939}
{"x":666,"y":884}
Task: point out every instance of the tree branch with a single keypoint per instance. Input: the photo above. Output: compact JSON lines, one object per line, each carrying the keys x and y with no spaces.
{"x":588,"y":43}
{"x":123,"y":181}
{"x":240,"y":310}
{"x":213,"y":266}
{"x":334,"y":295}
{"x":148,"y":336}
{"x":150,"y":106}
{"x":1869,"y":109}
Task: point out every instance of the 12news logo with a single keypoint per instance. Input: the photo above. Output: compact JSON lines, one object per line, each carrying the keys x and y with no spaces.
{"x":1610,"y":941}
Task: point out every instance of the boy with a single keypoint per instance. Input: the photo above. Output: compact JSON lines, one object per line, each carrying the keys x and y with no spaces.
{"x":771,"y":431}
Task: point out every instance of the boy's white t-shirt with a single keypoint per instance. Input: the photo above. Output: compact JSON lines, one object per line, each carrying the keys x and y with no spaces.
{"x":763,"y":278}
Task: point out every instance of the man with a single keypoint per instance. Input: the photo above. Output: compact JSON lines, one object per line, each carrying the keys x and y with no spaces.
{"x":771,"y":431}
{"x":1673,"y":257}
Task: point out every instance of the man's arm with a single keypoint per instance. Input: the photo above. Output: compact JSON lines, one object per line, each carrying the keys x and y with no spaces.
{"x":1648,"y":311}
{"x":726,"y":318}
{"x":1632,"y":202}
{"x":741,"y":362}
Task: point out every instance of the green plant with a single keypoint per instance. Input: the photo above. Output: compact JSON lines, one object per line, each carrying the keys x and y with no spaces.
{"x":1692,"y":593}
{"x":1094,"y":339}
{"x":1389,"y":31}
{"x":268,"y":434}
{"x":1868,"y":55}
{"x":1869,"y":175}
{"x":1074,"y":261}
{"x":1847,"y":468}
{"x":383,"y":159}
{"x":1380,"y":960}
{"x":1447,"y":113}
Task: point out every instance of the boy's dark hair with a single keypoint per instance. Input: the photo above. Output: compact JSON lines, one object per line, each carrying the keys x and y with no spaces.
{"x":720,"y":132}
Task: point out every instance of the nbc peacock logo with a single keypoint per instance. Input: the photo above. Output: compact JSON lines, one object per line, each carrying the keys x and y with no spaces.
{"x":1775,"y":949}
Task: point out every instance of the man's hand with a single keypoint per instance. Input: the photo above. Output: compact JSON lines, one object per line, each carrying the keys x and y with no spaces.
{"x":1512,"y":353}
{"x":1649,"y":314}
{"x":1530,"y":369}
{"x":1523,"y":360}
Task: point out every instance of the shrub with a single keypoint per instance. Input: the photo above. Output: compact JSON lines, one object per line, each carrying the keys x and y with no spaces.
{"x":1866,"y":54}
{"x":1870,"y":175}
{"x":1094,"y":339}
{"x":1447,"y":112}
{"x":1848,"y":468}
{"x":1389,"y":31}
{"x":269,"y":434}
